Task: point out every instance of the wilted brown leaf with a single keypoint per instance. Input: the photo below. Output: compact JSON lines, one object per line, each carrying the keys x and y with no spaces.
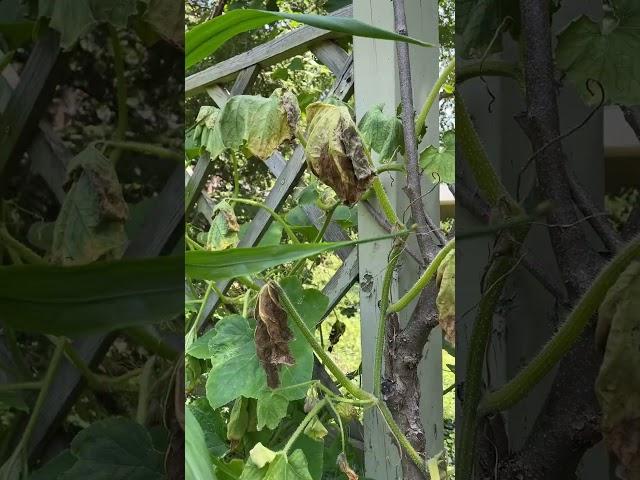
{"x":446,"y":300}
{"x":618,"y":382}
{"x":272,"y":335}
{"x":335,"y":152}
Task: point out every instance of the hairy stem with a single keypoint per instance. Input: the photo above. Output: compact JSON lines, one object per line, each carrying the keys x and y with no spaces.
{"x":326,"y":360}
{"x":385,"y":203}
{"x":426,"y":276}
{"x":121,"y":92}
{"x":433,"y":95}
{"x":384,"y":303}
{"x":514,"y":390}
{"x":143,"y":148}
{"x":272,"y":212}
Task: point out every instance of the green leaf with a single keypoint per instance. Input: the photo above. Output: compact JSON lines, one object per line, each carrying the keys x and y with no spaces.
{"x":75,"y":18}
{"x":55,"y":468}
{"x":212,"y":425}
{"x":259,"y":125}
{"x":314,"y":453}
{"x":261,"y":455}
{"x":197,"y":464}
{"x":166,"y":17}
{"x":92,"y":298}
{"x":223,"y":232}
{"x":383,"y":134}
{"x":236,"y":366}
{"x":206,"y":133}
{"x":606,"y":52}
{"x":441,"y":161}
{"x":14,"y":26}
{"x":13,"y":400}
{"x":91,"y":222}
{"x":282,"y":467}
{"x":204,"y":39}
{"x":115,"y":449}
{"x":272,"y":236}
{"x":252,"y":123}
{"x":238,"y":262}
{"x":478,"y":20}
{"x":618,"y":382}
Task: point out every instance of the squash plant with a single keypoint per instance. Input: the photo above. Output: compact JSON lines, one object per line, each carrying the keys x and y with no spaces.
{"x":68,"y":294}
{"x":591,"y":286}
{"x":257,"y":407}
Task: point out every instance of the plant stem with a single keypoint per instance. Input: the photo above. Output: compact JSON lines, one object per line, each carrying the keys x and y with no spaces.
{"x":145,"y":391}
{"x":144,"y":148}
{"x":514,"y":390}
{"x":121,"y":92}
{"x":413,"y":188}
{"x":390,"y":167}
{"x":327,"y":361}
{"x":272,"y":212}
{"x":382,"y":321}
{"x":236,"y":176}
{"x":490,"y":68}
{"x":327,"y":220}
{"x":385,"y":203}
{"x":433,"y":95}
{"x":402,"y":440}
{"x":312,"y":413}
{"x":47,"y":382}
{"x":10,"y":387}
{"x":152,"y":343}
{"x":28,"y":255}
{"x":422,"y":282}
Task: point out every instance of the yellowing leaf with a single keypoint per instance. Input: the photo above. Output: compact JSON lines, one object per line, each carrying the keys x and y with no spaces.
{"x":335,"y":152}
{"x":90,"y":225}
{"x":261,"y":455}
{"x":618,"y":382}
{"x":259,"y":125}
{"x":224,"y":229}
{"x":315,"y":429}
{"x":446,"y":299}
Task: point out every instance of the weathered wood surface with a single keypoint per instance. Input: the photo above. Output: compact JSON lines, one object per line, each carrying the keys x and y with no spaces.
{"x":29,"y":98}
{"x":288,"y":178}
{"x":287,"y":45}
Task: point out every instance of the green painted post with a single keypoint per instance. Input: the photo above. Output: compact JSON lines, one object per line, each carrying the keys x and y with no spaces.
{"x":376,"y":81}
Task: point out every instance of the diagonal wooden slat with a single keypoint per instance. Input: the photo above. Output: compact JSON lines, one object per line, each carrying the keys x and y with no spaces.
{"x":29,"y":98}
{"x":286,"y":182}
{"x":287,"y":45}
{"x":48,"y":154}
{"x":331,"y":55}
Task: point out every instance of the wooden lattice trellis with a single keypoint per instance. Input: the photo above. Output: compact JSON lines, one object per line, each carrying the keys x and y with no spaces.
{"x":28,"y":132}
{"x":381,"y":455}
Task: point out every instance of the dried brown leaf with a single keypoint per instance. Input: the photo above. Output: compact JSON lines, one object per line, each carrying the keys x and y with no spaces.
{"x":343,"y":464}
{"x":272,"y":335}
{"x":335,"y":152}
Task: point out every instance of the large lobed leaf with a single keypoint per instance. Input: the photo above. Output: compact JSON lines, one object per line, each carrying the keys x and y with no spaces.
{"x":440,"y":162}
{"x":110,"y":449}
{"x":204,"y":39}
{"x":252,"y":123}
{"x":383,"y":134}
{"x":606,"y":52}
{"x":92,"y":298}
{"x":236,"y":369}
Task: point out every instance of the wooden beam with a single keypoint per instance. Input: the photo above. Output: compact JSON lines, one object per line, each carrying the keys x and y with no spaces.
{"x":287,"y":45}
{"x":331,"y":55}
{"x":29,"y":98}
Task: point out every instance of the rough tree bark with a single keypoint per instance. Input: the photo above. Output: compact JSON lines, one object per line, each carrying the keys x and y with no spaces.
{"x":568,"y":423}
